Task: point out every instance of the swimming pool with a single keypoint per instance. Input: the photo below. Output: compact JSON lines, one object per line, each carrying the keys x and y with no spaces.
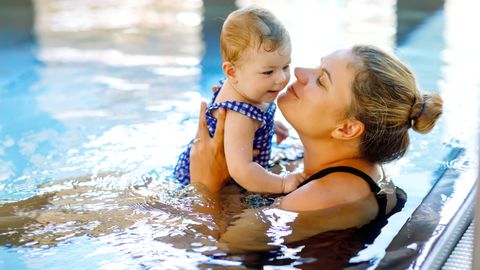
{"x":97,"y":99}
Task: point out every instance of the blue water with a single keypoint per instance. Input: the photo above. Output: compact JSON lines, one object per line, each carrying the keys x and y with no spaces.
{"x":97,"y":99}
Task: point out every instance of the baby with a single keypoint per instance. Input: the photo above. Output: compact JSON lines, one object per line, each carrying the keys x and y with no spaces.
{"x":255,"y":49}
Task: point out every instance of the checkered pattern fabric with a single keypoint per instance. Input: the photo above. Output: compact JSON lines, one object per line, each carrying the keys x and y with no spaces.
{"x":262,"y":140}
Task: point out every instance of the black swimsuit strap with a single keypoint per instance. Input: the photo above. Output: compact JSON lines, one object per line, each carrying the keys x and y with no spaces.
{"x":379,"y":196}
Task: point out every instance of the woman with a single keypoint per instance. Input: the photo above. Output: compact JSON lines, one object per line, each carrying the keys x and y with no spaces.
{"x":352,"y":114}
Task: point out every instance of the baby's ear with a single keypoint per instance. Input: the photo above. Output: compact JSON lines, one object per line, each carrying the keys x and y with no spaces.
{"x":229,"y":70}
{"x":348,"y":129}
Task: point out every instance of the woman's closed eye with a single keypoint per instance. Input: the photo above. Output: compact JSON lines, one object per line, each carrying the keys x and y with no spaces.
{"x":322,"y":77}
{"x":319,"y":80}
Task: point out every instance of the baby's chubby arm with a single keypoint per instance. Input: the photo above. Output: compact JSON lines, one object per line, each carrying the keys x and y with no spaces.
{"x":239,"y":134}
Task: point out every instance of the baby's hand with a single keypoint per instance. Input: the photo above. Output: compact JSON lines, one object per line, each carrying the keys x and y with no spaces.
{"x":215,"y":88}
{"x":281,"y":131}
{"x":291,"y":181}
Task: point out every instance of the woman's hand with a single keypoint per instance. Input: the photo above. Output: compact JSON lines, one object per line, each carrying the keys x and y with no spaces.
{"x":207,"y":156}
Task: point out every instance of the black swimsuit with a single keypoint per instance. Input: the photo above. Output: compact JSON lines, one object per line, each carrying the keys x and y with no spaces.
{"x":380,"y":196}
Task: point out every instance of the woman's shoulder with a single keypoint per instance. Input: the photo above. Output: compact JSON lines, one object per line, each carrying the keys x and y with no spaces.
{"x":331,"y":190}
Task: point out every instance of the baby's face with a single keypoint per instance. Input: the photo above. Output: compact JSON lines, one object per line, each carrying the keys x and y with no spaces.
{"x":262,"y":75}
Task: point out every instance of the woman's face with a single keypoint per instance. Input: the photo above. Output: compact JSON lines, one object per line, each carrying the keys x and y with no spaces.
{"x":319,"y":99}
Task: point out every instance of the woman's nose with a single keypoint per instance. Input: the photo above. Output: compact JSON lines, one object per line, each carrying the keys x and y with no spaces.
{"x":301,"y":74}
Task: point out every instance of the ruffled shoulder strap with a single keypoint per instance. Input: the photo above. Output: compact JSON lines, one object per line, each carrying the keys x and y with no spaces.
{"x":241,"y":107}
{"x":244,"y":108}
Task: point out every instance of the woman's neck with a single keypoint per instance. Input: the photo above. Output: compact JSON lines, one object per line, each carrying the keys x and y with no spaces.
{"x":323,"y":153}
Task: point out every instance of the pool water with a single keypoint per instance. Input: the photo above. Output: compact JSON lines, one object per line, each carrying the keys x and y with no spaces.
{"x":97,"y":99}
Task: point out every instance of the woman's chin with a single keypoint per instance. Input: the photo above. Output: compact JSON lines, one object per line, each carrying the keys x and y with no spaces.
{"x":281,"y":102}
{"x":282,"y":98}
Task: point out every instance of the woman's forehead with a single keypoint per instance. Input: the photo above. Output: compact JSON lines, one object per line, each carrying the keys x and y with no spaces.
{"x":337,"y":63}
{"x":341,"y":55}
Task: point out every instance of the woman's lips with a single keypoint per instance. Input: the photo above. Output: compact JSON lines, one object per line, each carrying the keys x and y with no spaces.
{"x":292,"y":90}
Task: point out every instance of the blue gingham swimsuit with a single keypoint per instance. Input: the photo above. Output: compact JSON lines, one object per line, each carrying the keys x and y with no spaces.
{"x":262,"y":140}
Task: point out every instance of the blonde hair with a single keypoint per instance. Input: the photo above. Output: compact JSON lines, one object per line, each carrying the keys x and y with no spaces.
{"x":387,"y":101}
{"x":249,"y":27}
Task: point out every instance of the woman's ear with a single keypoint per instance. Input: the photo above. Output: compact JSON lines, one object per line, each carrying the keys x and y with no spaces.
{"x":229,"y":70}
{"x":348,"y":129}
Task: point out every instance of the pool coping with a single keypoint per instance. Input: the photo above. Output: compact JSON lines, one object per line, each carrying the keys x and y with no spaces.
{"x":429,"y":250}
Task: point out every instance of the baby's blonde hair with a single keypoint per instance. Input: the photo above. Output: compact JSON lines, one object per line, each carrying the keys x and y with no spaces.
{"x":251,"y":27}
{"x":387,"y":101}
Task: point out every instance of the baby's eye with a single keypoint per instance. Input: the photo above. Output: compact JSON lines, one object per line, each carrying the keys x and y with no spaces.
{"x":286,"y":67}
{"x":268,"y":72}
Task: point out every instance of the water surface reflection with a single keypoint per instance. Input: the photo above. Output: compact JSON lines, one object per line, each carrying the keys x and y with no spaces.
{"x":153,"y":221}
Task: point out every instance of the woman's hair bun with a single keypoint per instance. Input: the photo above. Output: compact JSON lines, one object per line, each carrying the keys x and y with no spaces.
{"x":425,"y":112}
